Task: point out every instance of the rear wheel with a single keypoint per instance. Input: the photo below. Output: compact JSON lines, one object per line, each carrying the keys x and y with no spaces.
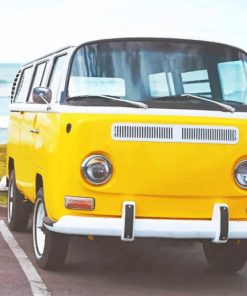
{"x":229,"y":257}
{"x":18,"y":208}
{"x":50,"y":248}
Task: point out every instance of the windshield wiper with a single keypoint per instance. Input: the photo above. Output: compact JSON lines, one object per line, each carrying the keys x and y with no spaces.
{"x":111,"y":98}
{"x":225,"y":107}
{"x":234,"y":102}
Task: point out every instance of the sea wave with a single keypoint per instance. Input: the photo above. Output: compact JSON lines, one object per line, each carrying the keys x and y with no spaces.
{"x":3,"y":81}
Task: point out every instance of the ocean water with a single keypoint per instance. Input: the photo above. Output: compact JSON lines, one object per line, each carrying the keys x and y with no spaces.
{"x":4,"y":105}
{"x":3,"y":135}
{"x":7,"y":75}
{"x":4,"y":112}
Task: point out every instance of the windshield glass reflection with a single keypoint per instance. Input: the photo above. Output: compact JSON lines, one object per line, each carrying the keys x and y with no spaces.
{"x":143,"y":70}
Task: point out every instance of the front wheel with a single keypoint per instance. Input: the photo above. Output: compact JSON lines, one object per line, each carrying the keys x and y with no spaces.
{"x":50,"y":248}
{"x":229,"y":257}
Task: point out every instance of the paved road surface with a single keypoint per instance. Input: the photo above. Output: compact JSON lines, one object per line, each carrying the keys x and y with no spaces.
{"x":106,"y":266}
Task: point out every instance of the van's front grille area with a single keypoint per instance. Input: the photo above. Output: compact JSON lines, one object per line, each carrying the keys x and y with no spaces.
{"x":174,"y":133}
{"x":143,"y":132}
{"x":209,"y":134}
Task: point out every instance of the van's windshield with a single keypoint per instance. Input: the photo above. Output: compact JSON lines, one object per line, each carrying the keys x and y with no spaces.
{"x":159,"y":71}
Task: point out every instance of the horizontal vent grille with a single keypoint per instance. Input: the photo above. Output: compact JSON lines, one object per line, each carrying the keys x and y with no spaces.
{"x":209,"y":134}
{"x":143,"y":132}
{"x":174,"y":133}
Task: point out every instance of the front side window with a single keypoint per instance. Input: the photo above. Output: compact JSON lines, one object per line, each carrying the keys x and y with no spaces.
{"x":154,"y":70}
{"x":37,"y":80}
{"x":56,"y":75}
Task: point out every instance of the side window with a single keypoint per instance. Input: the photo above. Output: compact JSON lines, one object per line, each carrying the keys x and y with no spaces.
{"x":37,"y":80}
{"x":14,"y":85}
{"x":161,"y":84}
{"x":56,"y":75}
{"x":196,"y":82}
{"x":24,"y":85}
{"x":233,"y":80}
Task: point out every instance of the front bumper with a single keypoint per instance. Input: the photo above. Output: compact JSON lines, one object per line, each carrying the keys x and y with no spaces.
{"x":219,"y":229}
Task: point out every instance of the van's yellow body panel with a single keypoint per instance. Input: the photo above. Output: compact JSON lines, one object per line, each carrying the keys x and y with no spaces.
{"x":165,"y":180}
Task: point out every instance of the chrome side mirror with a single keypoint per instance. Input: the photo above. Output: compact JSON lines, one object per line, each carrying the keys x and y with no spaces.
{"x":42,"y":95}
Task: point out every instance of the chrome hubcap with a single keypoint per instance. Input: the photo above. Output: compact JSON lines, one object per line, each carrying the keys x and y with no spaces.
{"x":39,"y":233}
{"x":10,"y":201}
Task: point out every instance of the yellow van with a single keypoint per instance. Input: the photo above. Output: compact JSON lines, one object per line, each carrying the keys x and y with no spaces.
{"x":133,"y":137}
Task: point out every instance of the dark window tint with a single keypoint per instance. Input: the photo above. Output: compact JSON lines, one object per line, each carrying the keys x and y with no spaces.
{"x":38,"y":76}
{"x":24,"y":85}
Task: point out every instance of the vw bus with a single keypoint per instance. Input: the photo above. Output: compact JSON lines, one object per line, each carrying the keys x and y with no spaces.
{"x":133,"y":137}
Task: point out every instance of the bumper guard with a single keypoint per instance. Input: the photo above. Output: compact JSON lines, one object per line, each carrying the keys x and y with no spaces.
{"x":219,"y":229}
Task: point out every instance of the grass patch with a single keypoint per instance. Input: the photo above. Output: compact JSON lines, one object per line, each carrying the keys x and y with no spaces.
{"x":3,"y":196}
{"x":2,"y":160}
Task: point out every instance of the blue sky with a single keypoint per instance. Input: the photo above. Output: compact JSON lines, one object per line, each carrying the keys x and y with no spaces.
{"x":31,"y":28}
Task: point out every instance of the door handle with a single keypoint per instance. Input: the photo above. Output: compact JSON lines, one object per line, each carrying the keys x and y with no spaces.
{"x":34,"y":131}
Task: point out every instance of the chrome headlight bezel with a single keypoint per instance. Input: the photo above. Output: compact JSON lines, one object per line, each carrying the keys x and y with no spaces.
{"x":236,"y":177}
{"x":89,"y":161}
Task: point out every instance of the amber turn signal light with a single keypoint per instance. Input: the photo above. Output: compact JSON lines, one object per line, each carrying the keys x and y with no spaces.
{"x":79,"y":203}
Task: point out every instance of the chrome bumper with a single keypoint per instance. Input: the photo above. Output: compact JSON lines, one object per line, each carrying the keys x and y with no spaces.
{"x":219,"y":229}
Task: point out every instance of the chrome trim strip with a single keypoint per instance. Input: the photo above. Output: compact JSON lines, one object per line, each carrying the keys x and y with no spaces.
{"x":56,"y":108}
{"x":158,"y":228}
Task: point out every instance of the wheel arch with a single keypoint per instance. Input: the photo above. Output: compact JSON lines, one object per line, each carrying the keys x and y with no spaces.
{"x":39,"y":182}
{"x":11,"y":165}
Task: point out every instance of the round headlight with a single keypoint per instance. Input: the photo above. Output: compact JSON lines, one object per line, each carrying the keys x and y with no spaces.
{"x":240,"y":174}
{"x":96,"y":169}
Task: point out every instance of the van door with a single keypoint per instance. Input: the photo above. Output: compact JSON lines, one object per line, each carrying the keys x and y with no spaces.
{"x":16,"y":139}
{"x":29,"y":133}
